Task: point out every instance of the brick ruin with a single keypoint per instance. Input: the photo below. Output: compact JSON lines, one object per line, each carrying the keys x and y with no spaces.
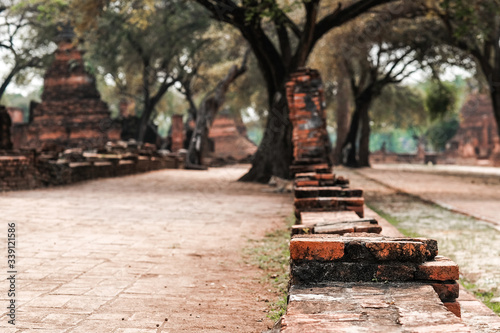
{"x":347,"y":273}
{"x":306,"y":102}
{"x":16,"y":115}
{"x":476,"y":141}
{"x":477,"y":136}
{"x":177,"y":136}
{"x":24,"y":170}
{"x":71,"y":113}
{"x":230,"y":140}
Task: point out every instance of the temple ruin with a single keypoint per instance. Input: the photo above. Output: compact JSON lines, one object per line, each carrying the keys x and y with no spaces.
{"x":477,"y":137}
{"x":71,"y":113}
{"x":230,"y":140}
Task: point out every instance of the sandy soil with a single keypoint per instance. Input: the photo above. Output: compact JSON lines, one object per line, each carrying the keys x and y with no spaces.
{"x":158,"y":252}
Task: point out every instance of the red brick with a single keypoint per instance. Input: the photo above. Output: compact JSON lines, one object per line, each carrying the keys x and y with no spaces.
{"x":320,"y":249}
{"x":440,"y":269}
{"x":454,"y":307}
{"x":447,"y":291}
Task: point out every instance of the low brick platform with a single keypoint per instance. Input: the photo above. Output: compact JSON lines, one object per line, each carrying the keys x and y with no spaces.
{"x":329,"y":204}
{"x":368,"y":307}
{"x":345,"y":276}
{"x":320,"y":179}
{"x":29,"y":169}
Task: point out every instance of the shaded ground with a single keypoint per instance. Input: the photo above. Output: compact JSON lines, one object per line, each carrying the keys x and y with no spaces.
{"x":473,"y":244}
{"x":158,"y":252}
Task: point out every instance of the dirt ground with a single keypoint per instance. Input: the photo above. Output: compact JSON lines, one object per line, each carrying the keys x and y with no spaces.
{"x":158,"y":252}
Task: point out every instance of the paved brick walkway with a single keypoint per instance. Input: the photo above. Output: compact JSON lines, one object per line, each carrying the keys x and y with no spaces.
{"x":464,"y":189}
{"x":157,"y":252}
{"x":471,"y":243}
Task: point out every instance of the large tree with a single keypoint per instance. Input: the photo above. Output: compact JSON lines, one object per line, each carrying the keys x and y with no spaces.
{"x":24,"y":41}
{"x":401,"y":48}
{"x":282,"y":38}
{"x":146,"y":52}
{"x":473,"y":26}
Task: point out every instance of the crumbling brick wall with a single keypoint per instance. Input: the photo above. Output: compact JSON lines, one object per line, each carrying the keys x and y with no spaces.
{"x":306,"y":101}
{"x":71,"y":113}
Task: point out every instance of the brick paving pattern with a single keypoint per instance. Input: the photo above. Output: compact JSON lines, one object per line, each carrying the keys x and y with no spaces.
{"x":158,"y":252}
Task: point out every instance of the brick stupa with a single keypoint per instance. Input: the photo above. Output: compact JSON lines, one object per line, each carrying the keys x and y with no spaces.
{"x":71,"y":113}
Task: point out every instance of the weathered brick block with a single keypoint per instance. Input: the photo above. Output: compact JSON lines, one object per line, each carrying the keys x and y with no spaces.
{"x":315,"y":272}
{"x":357,"y":249}
{"x":363,"y":225}
{"x":316,"y":218}
{"x":322,"y":249}
{"x":440,"y":269}
{"x":306,"y":204}
{"x":316,"y":176}
{"x":326,"y":191}
{"x":367,"y":307}
{"x":355,"y":204}
{"x":318,"y":168}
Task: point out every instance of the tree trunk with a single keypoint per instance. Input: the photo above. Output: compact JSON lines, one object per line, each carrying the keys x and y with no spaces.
{"x":349,"y":148}
{"x":495,"y":97}
{"x":143,"y":124}
{"x":342,"y":115}
{"x":275,"y":153}
{"x":206,"y":115}
{"x":148,"y":108}
{"x":364,"y":140}
{"x":356,"y":146}
{"x":494,"y":85}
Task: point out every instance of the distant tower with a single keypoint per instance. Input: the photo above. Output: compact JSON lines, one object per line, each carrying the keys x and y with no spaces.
{"x":71,"y":113}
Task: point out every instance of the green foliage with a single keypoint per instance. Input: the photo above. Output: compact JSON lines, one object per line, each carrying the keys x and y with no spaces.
{"x":484,"y":296}
{"x":25,"y":42}
{"x":471,"y":16}
{"x":396,"y":140}
{"x":399,"y":106}
{"x":441,"y":99}
{"x":440,"y":132}
{"x":21,"y":101}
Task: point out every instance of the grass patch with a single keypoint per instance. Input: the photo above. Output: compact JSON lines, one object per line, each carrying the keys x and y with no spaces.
{"x":395,"y":222}
{"x":272,"y":255}
{"x":483,"y":296}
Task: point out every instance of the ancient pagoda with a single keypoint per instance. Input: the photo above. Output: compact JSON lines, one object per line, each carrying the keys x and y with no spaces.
{"x":71,"y":113}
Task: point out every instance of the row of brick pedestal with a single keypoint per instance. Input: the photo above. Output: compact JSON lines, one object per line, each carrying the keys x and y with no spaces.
{"x":347,"y":277}
{"x":29,"y":169}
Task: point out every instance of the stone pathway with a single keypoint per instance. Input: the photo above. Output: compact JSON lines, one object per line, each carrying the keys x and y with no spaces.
{"x":471,"y":190}
{"x":158,"y":252}
{"x":473,"y":244}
